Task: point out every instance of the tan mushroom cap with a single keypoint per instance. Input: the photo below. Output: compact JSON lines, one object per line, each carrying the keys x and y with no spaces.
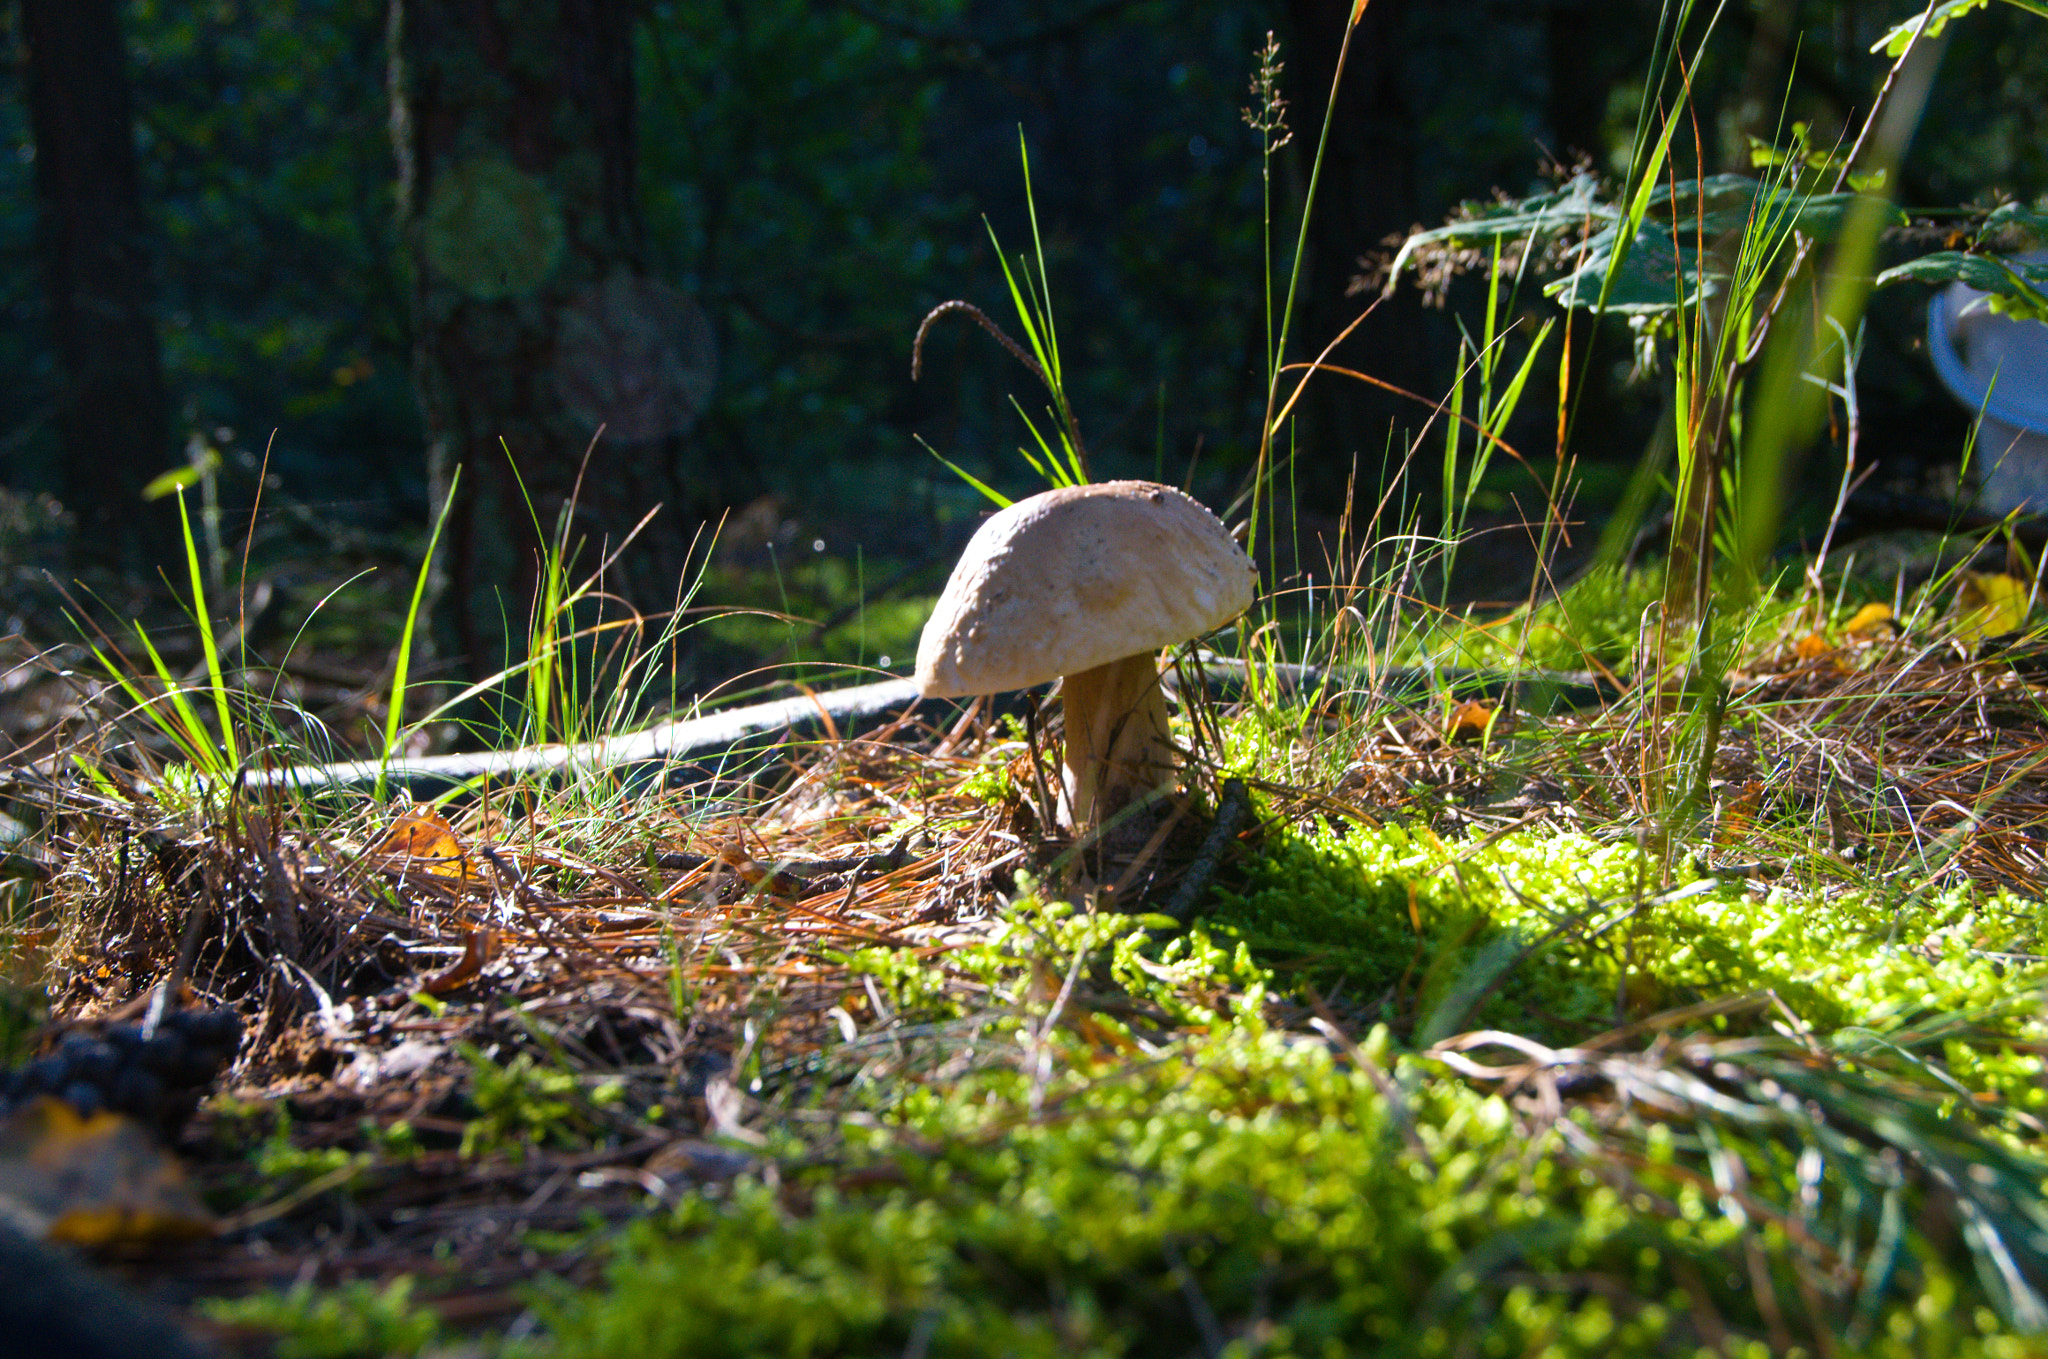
{"x":1074,"y":578}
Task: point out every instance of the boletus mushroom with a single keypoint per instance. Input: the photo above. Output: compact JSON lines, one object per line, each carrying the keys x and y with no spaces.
{"x":1085,"y":584}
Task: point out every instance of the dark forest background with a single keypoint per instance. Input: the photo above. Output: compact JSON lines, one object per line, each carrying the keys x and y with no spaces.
{"x":376,"y":239}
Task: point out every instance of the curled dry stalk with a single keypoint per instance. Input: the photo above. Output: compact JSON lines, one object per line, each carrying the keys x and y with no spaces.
{"x":1023,"y":356}
{"x":1002,"y":337}
{"x":1049,"y":465}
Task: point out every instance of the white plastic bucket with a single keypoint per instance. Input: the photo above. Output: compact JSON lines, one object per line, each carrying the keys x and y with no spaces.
{"x":1998,"y":366}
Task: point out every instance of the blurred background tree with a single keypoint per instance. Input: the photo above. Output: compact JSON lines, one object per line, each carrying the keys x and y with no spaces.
{"x":535,"y":323}
{"x":107,"y":409}
{"x":754,"y":205}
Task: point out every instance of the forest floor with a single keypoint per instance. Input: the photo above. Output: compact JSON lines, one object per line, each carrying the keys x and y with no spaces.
{"x":613,"y":1063}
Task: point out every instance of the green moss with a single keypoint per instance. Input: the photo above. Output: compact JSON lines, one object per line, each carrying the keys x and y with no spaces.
{"x":1104,"y":1196}
{"x":1541,"y":932}
{"x":1244,"y":1182}
{"x":356,"y":1319}
{"x":1153,"y":1166}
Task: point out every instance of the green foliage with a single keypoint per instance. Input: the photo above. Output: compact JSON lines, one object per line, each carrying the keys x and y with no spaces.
{"x":1036,"y":934}
{"x":1730,"y":269}
{"x":1117,"y":1145}
{"x":214,"y":752}
{"x":853,"y":626}
{"x":1934,"y":19}
{"x":821,"y":178}
{"x":23,"y":1010}
{"x":212,"y":755}
{"x":527,"y":1102}
{"x":1594,"y":622}
{"x":1112,"y":1167}
{"x":279,"y":1165}
{"x":402,"y":664}
{"x":1645,"y":265}
{"x":1526,"y":925}
{"x":359,"y":1320}
{"x":1031,"y":298}
{"x":267,"y":173}
{"x":1245,"y":1184}
{"x":2017,"y":289}
{"x":992,"y":782}
{"x":1245,"y":1187}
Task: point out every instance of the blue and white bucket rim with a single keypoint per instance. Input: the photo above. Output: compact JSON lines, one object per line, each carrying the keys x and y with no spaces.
{"x":2018,"y":399}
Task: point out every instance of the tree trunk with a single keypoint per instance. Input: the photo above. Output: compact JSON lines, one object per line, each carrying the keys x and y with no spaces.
{"x":534,"y":325}
{"x":112,"y":417}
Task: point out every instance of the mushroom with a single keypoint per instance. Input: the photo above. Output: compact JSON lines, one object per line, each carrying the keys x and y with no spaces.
{"x":1086,"y":584}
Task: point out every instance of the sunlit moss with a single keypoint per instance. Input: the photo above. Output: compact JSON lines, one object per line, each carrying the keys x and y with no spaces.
{"x":1244,"y":1177}
{"x":1155,"y":1158}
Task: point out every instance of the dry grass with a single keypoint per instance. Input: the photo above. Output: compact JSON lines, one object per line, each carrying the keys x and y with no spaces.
{"x":1886,"y":758}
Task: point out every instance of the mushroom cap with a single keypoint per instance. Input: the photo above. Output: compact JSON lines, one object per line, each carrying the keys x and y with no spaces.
{"x":1077,"y":577}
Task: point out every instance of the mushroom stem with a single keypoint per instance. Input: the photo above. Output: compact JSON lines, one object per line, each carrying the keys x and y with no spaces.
{"x":1118,"y":746}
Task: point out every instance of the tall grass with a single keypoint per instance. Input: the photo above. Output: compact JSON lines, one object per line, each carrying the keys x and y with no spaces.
{"x":590,"y":665}
{"x":215,"y":751}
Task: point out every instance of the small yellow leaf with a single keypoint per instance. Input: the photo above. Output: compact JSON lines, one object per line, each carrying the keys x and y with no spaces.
{"x":1989,"y":604}
{"x":1869,"y":621}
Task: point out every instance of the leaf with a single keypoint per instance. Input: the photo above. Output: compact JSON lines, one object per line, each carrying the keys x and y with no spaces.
{"x":1658,"y":269}
{"x":1990,"y":604}
{"x":1471,"y":720}
{"x":1869,"y":621}
{"x":1732,"y":822}
{"x":171,"y":482}
{"x":2018,"y":289}
{"x":1653,"y":277}
{"x":424,"y":835}
{"x":1001,"y":501}
{"x":1662,"y":270}
{"x":93,"y":1181}
{"x":1568,"y":209}
{"x":205,"y":462}
{"x":2018,"y":217}
{"x":395,"y":709}
{"x":1894,"y":43}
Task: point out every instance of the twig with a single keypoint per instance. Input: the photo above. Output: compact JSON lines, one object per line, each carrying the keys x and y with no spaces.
{"x":1231,"y":810}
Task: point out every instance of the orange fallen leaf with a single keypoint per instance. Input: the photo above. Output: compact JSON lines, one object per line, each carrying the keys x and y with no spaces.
{"x":1471,"y":720}
{"x":423,"y":834}
{"x":1731,"y":826}
{"x":1811,"y":647}
{"x":759,"y":876}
